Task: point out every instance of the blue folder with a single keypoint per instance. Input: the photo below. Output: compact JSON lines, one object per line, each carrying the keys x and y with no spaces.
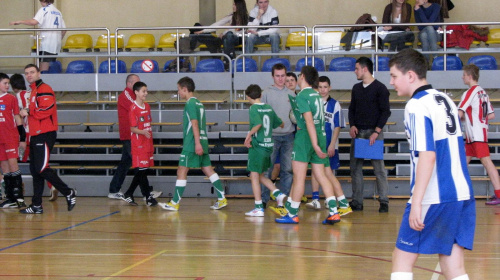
{"x":362,"y":149}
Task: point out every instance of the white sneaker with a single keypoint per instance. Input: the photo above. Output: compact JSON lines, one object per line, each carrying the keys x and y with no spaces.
{"x":314,"y":204}
{"x":117,"y":195}
{"x":154,"y":194}
{"x":257,"y":212}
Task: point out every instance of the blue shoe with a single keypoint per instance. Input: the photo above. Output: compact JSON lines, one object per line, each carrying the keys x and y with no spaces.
{"x":288,"y":220}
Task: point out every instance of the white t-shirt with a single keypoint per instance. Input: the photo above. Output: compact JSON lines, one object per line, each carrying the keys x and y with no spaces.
{"x":476,"y":106}
{"x":432,"y":124}
{"x":50,"y":17}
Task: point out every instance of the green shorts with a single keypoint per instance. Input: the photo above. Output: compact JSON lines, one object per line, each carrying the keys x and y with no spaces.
{"x":258,"y":160}
{"x":303,"y":150}
{"x":192,"y":160}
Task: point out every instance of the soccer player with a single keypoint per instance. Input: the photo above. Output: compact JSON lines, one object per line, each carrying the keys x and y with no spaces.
{"x":42,"y":119}
{"x":259,"y":142}
{"x":440,"y":216}
{"x":12,"y":137}
{"x":334,"y":121}
{"x":195,"y":148}
{"x":475,"y":108}
{"x":291,"y":82}
{"x":141,"y":137}
{"x":309,"y":146}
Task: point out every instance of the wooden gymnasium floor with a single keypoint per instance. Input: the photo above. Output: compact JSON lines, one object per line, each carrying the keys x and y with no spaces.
{"x":107,"y":239}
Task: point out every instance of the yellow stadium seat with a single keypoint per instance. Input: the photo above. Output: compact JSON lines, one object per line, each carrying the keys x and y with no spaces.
{"x":493,"y":36}
{"x":298,"y":39}
{"x":102,"y":42}
{"x":78,"y":41}
{"x":167,"y":41}
{"x":141,"y":41}
{"x":33,"y":49}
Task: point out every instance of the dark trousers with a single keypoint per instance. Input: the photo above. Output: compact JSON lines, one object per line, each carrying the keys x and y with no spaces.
{"x":141,"y":179}
{"x":40,"y":147}
{"x":122,"y":169}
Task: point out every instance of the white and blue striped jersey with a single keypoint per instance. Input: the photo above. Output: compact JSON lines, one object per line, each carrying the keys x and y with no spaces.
{"x":333,"y":119}
{"x":432,"y":124}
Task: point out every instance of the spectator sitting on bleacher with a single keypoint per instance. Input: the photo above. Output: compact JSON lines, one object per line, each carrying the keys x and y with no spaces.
{"x":475,"y":110}
{"x":397,"y":12}
{"x":426,"y":12}
{"x":263,"y":14}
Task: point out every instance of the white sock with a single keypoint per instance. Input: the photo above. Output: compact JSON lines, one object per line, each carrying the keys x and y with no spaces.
{"x":402,"y":276}
{"x":461,"y":277}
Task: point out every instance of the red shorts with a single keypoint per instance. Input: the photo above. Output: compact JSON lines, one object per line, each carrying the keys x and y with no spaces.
{"x":8,"y":151}
{"x":142,"y":159}
{"x":477,"y":149}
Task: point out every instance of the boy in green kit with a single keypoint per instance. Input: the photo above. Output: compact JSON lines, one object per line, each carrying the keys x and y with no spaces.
{"x":259,"y":140}
{"x":194,"y":149}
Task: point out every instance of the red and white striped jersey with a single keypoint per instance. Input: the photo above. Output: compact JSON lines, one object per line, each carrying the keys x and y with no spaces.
{"x":476,"y":106}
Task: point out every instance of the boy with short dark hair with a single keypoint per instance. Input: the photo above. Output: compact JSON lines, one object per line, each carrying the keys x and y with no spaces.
{"x":141,"y":137}
{"x":440,"y":216}
{"x":259,"y":142}
{"x":12,"y":137}
{"x":195,"y":148}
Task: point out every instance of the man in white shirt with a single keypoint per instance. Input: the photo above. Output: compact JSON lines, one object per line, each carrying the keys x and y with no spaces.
{"x":263,"y":14}
{"x":47,"y":17}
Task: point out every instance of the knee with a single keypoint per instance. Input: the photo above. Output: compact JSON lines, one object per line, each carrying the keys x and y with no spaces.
{"x":275,"y":37}
{"x":251,"y":38}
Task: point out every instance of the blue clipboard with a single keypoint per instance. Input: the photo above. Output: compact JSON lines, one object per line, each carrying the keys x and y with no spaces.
{"x":362,"y":149}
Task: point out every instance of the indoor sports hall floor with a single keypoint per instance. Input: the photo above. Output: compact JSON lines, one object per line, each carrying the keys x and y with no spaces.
{"x":108,"y":239}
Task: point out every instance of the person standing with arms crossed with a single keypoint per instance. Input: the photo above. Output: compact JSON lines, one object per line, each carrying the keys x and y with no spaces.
{"x":42,"y":119}
{"x":47,"y":17}
{"x":476,"y":110}
{"x":440,"y":217}
{"x":368,"y":113}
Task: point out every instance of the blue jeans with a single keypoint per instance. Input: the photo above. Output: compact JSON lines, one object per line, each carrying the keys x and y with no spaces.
{"x":230,"y":41}
{"x":283,"y":145}
{"x":273,"y":39}
{"x":429,"y":38}
{"x":357,"y":171}
{"x":122,"y":169}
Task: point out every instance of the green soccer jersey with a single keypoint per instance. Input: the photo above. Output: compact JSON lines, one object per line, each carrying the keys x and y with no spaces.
{"x":309,"y":100}
{"x":264,"y":115}
{"x":194,"y":110}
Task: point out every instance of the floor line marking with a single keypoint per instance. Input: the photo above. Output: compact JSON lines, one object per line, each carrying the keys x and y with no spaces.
{"x":57,"y":231}
{"x":435,"y":275}
{"x":134,"y":265}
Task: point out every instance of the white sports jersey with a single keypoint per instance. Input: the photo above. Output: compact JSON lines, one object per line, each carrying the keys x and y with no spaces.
{"x":476,"y":106}
{"x":432,"y":124}
{"x":23,"y":99}
{"x":50,"y":17}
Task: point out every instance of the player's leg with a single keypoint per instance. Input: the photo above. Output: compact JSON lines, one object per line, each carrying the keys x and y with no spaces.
{"x":121,"y":171}
{"x":318,"y":170}
{"x":453,"y":265}
{"x":10,"y":202}
{"x":298,"y":185}
{"x":495,"y":180}
{"x":276,"y":172}
{"x":258,"y":210}
{"x":402,"y":264}
{"x":314,"y":204}
{"x":145,"y":188}
{"x":180,"y":183}
{"x":356,"y":168}
{"x":382,"y":184}
{"x":208,"y":170}
{"x":343,"y":204}
{"x":128,"y":196}
{"x":16,"y":180}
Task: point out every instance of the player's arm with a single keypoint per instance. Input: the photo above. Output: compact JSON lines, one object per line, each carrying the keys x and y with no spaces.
{"x":46,"y":106}
{"x":425,"y":166}
{"x":198,"y":149}
{"x":144,"y":132}
{"x":31,"y":22}
{"x":461,"y":115}
{"x":21,"y":130}
{"x":335,"y":136}
{"x":490,"y":116}
{"x":248,"y":139}
{"x":311,"y":129}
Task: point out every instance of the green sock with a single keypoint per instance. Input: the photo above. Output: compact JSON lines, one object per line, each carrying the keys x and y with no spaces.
{"x":332,"y":204}
{"x":292,"y":207}
{"x":343,"y":203}
{"x":178,"y":194}
{"x":276,"y":193}
{"x":258,"y":204}
{"x":220,"y":190}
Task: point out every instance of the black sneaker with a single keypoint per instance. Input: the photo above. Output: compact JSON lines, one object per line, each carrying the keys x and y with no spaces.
{"x":356,"y":206}
{"x":20,"y":203}
{"x":8,"y":204}
{"x":384,"y":207}
{"x":32,"y":209}
{"x":71,"y":199}
{"x":129,"y":200}
{"x":150,"y":201}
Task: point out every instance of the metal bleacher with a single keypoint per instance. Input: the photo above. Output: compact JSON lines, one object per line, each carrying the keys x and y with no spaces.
{"x":88,"y":147}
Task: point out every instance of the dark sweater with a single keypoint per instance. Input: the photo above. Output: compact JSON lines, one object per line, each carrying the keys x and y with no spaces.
{"x":387,"y":18}
{"x":369,"y":106}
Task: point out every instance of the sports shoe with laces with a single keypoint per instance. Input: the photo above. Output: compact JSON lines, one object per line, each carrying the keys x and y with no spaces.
{"x":71,"y":199}
{"x":117,"y":195}
{"x":280,"y":210}
{"x":53,"y":194}
{"x":151,"y":201}
{"x":288,"y":220}
{"x":356,"y":206}
{"x":314,"y":204}
{"x":20,"y":203}
{"x":155,"y":194}
{"x":32,"y":209}
{"x":257,"y":212}
{"x":219,"y":204}
{"x":169,"y":206}
{"x":8,"y":204}
{"x":344,"y":211}
{"x":493,"y":201}
{"x":129,"y":200}
{"x":332,"y":219}
{"x":384,"y":207}
{"x":303,"y":199}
